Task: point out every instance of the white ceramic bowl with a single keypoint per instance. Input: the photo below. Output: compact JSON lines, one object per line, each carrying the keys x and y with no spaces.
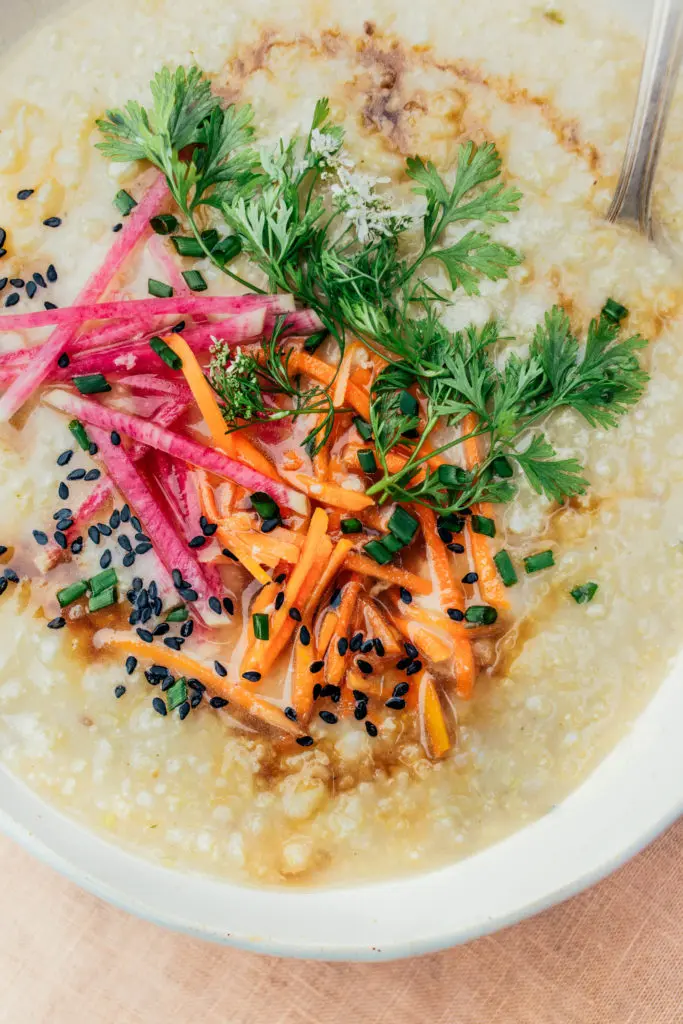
{"x":634,"y":794}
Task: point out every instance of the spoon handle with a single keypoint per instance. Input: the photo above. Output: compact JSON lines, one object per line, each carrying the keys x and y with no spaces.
{"x":633,"y":195}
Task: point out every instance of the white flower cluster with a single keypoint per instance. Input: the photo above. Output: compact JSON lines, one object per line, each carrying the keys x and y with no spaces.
{"x":370,"y":212}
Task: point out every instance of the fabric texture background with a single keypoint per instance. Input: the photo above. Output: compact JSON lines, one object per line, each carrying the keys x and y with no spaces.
{"x":613,"y":955}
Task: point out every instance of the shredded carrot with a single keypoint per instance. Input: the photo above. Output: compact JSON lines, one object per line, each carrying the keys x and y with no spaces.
{"x":303,"y":362}
{"x":344,"y":373}
{"x":226,"y":539}
{"x":326,"y":631}
{"x":401,"y":577}
{"x":321,"y":459}
{"x":182,"y":665}
{"x":337,"y":559}
{"x":303,"y":680}
{"x":332,"y":494}
{"x":336,"y":662}
{"x":426,"y":641}
{"x":431,"y":713}
{"x":377,"y":626}
{"x":267,"y":548}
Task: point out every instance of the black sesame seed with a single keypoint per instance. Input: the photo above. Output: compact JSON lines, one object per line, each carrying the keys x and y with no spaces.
{"x":406,"y":596}
{"x":342,"y":645}
{"x":305,"y":741}
{"x":251,"y":677}
{"x":456,"y":614}
{"x":414,"y":668}
{"x":62,"y":513}
{"x":57,"y":623}
{"x":117,"y":228}
{"x":203,"y":521}
{"x":209,"y":529}
{"x":63,"y":360}
{"x":3,"y":585}
{"x":186,"y":629}
{"x":40,"y":537}
{"x":63,"y":491}
{"x":142,"y":549}
{"x":31,"y":289}
{"x":104,"y":529}
{"x":218,"y":702}
{"x":3,"y":283}
{"x":364,"y":666}
{"x":379,"y":647}
{"x":115,"y":438}
{"x":158,"y":672}
{"x":77,"y":545}
{"x":220,"y":669}
{"x":76,"y":474}
{"x":215,"y":605}
{"x":135,"y":523}
{"x":281,"y":578}
{"x":177,"y":577}
{"x":60,"y":539}
{"x":470,"y":577}
{"x":50,"y":305}
{"x":401,"y":689}
{"x":366,"y":647}
{"x":94,"y":534}
{"x":371,"y":729}
{"x":17,"y":282}
{"x":65,"y":524}
{"x":183,"y":711}
{"x":92,"y":474}
{"x":145,"y":635}
{"x":3,"y":549}
{"x":51,"y":273}
{"x":11,"y":575}
{"x":3,"y":236}
{"x":295,"y":614}
{"x":133,"y":618}
{"x":403,"y":663}
{"x":162,"y":629}
{"x":356,"y":642}
{"x":360,"y":711}
{"x":52,"y":222}
{"x":396,"y":703}
{"x":145,"y":613}
{"x":194,"y":684}
{"x":137,"y":583}
{"x":317,"y":690}
{"x":197,"y":542}
{"x":159,"y":706}
{"x":329,"y":690}
{"x":229,"y":605}
{"x":12,"y":300}
{"x":195,"y":700}
{"x":131,"y":664}
{"x":119,"y":691}
{"x":174,"y":642}
{"x":39,"y":280}
{"x":360,"y":695}
{"x":279,"y":600}
{"x":188,"y":594}
{"x":115,"y":522}
{"x":329,"y":717}
{"x":456,"y":548}
{"x":167,"y":682}
{"x":25,"y":193}
{"x":291,"y":714}
{"x":268,"y":525}
{"x":93,"y":449}
{"x":3,"y":252}
{"x":305,"y":636}
{"x":228,"y":554}
{"x":124,"y":542}
{"x":411,"y":649}
{"x":445,"y":535}
{"x":105,"y":560}
{"x":125,"y":517}
{"x":316,"y":666}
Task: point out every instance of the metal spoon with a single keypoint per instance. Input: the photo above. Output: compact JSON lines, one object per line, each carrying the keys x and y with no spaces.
{"x":633,"y":196}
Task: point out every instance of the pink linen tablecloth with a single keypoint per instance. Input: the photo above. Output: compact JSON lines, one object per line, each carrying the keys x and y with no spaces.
{"x":613,"y":955}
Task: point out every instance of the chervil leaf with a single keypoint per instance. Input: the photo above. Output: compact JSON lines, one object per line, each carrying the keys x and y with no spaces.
{"x":547,"y":473}
{"x":556,"y":349}
{"x":476,"y":256}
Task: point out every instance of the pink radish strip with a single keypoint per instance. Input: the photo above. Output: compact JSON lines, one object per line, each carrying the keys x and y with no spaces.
{"x":39,"y":368}
{"x":164,"y":259}
{"x":182,"y":305}
{"x":302,"y":321}
{"x":180,"y":447}
{"x":169,"y":548}
{"x":153,"y":384}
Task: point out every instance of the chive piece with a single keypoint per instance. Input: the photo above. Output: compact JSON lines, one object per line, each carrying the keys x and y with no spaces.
{"x":178,"y":614}
{"x":226,"y":250}
{"x":614,"y":311}
{"x":392,"y":543}
{"x":484,"y":525}
{"x":103,"y":581}
{"x":363,"y":428}
{"x":502,"y":467}
{"x":481,"y":615}
{"x":195,"y":281}
{"x":452,"y":476}
{"x":176,"y":694}
{"x":542,"y":560}
{"x":366,"y":458}
{"x":124,"y":202}
{"x":166,"y":353}
{"x":261,"y":626}
{"x":103,"y":600}
{"x":407,"y":403}
{"x":505,"y":568}
{"x":78,"y":431}
{"x":351,"y":526}
{"x":264,"y":505}
{"x":402,"y":525}
{"x":164,"y":224}
{"x":377,"y":550}
{"x":91,"y":384}
{"x":314,"y":341}
{"x":71,"y":593}
{"x":583,"y":594}
{"x":158,"y":289}
{"x":450,"y":522}
{"x":186,"y":246}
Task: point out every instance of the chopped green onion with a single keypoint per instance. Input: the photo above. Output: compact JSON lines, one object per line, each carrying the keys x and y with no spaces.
{"x":402,"y":524}
{"x":166,"y":353}
{"x":366,"y":458}
{"x":195,"y":281}
{"x":102,"y":600}
{"x":261,"y":626}
{"x":164,"y":224}
{"x":614,"y":311}
{"x":482,"y":524}
{"x":450,"y":522}
{"x":505,"y":568}
{"x":452,"y":476}
{"x":158,"y":289}
{"x":178,"y":614}
{"x":314,"y":341}
{"x":543,"y":560}
{"x":71,"y":593}
{"x":502,"y":467}
{"x":264,"y":505}
{"x":226,"y":250}
{"x":407,"y":403}
{"x":392,"y":543}
{"x":124,"y":202}
{"x":103,"y":581}
{"x":583,"y":594}
{"x":363,"y":428}
{"x":351,"y":526}
{"x":186,"y":246}
{"x":377,"y":550}
{"x":78,"y":431}
{"x":176,"y":694}
{"x":481,"y":615}
{"x":91,"y":383}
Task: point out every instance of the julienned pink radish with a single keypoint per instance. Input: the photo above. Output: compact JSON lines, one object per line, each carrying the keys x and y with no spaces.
{"x":180,"y":447}
{"x":170,"y":549}
{"x":183,"y":305}
{"x":38,"y":369}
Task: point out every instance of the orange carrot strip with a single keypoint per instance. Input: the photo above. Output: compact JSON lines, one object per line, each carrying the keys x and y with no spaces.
{"x":332,"y":494}
{"x":304,"y":680}
{"x":431,"y":645}
{"x":326,"y":631}
{"x":321,"y":459}
{"x":267,"y":548}
{"x":337,"y":559}
{"x":401,"y":577}
{"x":435,"y":729}
{"x":182,"y":665}
{"x":226,"y":538}
{"x":377,"y":626}
{"x":303,"y":362}
{"x":336,"y":662}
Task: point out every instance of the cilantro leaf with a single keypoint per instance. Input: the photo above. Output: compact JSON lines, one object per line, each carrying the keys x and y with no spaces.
{"x":547,"y":473}
{"x":475,"y":256}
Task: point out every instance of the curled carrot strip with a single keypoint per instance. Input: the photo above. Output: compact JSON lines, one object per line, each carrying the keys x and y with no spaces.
{"x":332,"y":494}
{"x":391,"y":573}
{"x":336,"y":662}
{"x":326,"y":631}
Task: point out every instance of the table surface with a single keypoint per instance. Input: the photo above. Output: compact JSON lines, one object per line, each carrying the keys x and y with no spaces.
{"x":613,"y":955}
